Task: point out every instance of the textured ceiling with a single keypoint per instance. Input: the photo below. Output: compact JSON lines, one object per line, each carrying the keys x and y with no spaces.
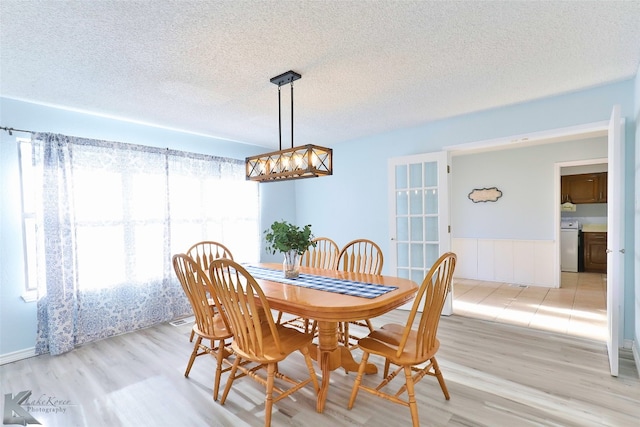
{"x":367,"y":66}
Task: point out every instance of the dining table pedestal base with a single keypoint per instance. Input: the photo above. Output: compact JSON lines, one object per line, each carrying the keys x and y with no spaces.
{"x":330,"y":355}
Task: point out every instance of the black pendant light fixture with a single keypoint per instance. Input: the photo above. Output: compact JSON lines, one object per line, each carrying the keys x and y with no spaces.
{"x":305,"y":161}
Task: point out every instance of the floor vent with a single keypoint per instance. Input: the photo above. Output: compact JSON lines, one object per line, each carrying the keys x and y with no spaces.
{"x":518,"y":286}
{"x":183,"y":321}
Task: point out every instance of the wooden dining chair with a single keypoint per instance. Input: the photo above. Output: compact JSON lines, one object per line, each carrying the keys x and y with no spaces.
{"x":359,"y":256}
{"x":203,"y":253}
{"x":412,"y":344}
{"x":209,"y":324}
{"x":206,"y":251}
{"x":257,"y":339}
{"x":324,"y":255}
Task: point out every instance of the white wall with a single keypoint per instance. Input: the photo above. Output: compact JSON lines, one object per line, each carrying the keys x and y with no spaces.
{"x":635,"y":309}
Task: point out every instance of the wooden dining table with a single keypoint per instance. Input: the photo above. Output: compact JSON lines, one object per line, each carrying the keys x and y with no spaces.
{"x":329,"y":308}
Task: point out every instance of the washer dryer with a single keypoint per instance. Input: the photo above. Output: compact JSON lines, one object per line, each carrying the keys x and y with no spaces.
{"x":569,"y":231}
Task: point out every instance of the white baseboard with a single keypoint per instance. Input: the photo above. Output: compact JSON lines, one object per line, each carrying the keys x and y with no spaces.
{"x":17,"y":355}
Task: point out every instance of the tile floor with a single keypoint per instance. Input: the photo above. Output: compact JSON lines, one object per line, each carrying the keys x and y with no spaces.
{"x":577,"y":308}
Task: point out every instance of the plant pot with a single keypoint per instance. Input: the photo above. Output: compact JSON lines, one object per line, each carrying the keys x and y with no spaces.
{"x":291,"y":265}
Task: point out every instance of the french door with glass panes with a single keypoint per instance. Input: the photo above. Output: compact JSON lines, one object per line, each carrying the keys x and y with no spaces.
{"x":419,"y":216}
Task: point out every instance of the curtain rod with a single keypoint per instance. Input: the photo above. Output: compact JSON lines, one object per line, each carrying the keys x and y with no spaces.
{"x":11,"y":130}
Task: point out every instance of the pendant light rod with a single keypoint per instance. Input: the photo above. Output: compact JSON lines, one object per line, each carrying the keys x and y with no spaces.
{"x":279,"y":119}
{"x":285,"y":78}
{"x":291,"y":84}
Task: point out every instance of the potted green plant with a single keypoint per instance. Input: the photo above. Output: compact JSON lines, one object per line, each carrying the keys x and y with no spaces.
{"x":292,"y":241}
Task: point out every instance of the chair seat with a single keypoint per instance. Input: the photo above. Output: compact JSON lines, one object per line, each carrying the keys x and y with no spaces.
{"x":219,"y":326}
{"x":290,"y":341}
{"x":385,"y":341}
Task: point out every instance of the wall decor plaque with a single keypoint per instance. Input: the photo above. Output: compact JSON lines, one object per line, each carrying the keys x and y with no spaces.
{"x":485,"y":195}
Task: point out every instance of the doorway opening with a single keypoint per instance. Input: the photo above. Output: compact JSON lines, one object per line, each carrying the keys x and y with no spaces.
{"x":575,"y":303}
{"x":586,"y":215}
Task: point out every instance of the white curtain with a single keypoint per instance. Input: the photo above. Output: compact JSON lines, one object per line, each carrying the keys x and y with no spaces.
{"x":110,"y":216}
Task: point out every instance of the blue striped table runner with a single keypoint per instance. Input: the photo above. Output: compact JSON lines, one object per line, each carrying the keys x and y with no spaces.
{"x":322,"y":283}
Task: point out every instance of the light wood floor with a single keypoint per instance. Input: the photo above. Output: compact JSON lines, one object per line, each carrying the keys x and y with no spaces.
{"x":578,"y":307}
{"x":497,"y":374}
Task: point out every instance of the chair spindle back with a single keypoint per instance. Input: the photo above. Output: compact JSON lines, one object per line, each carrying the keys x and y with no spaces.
{"x":323,"y":255}
{"x":206,"y":251}
{"x":243,"y":301}
{"x":197,"y":287}
{"x":429,"y":300}
{"x":361,"y":256}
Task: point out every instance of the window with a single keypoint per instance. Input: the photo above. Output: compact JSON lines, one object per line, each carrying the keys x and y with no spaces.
{"x":112,"y":215}
{"x":131,"y":212}
{"x":28,"y":183}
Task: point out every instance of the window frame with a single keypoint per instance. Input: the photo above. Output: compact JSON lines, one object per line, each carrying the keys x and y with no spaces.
{"x":30,"y":291}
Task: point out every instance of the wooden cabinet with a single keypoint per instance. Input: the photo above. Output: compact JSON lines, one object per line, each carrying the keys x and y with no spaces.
{"x":595,"y":252}
{"x":602,"y":182}
{"x":584,"y":188}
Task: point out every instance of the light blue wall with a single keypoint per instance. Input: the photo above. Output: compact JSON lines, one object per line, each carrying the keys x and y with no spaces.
{"x":17,"y":318}
{"x":526,"y":178}
{"x":278,"y":202}
{"x":40,"y":118}
{"x":354,"y":202}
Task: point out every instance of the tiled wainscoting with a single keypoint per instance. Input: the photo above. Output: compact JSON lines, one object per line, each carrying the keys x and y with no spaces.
{"x":529,"y":262}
